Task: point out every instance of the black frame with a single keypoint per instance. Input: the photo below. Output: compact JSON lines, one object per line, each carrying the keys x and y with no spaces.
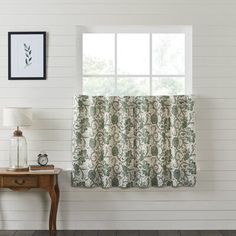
{"x":44,"y":55}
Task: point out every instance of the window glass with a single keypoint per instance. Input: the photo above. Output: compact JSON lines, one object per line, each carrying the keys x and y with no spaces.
{"x":133,"y":86}
{"x":168,"y":54}
{"x":97,"y":86}
{"x":133,"y":54}
{"x":98,"y":54}
{"x":168,"y":86}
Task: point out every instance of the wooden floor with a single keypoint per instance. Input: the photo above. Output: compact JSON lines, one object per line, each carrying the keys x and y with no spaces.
{"x":121,"y":233}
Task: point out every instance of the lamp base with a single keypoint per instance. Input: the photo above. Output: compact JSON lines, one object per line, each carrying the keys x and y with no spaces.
{"x":18,"y":169}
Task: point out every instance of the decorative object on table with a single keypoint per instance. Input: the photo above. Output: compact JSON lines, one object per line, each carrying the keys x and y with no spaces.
{"x":41,"y":168}
{"x":42,"y":159}
{"x":18,"y":116}
{"x":26,"y":55}
{"x":133,"y":141}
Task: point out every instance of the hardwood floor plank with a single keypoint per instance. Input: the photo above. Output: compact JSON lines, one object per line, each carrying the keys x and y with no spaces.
{"x":24,"y":233}
{"x":41,"y":233}
{"x":128,"y":233}
{"x":148,"y":233}
{"x":210,"y":233}
{"x":7,"y":232}
{"x":78,"y":233}
{"x":86,"y":233}
{"x":189,"y":233}
{"x":106,"y":233}
{"x":169,"y":233}
{"x":228,"y":232}
{"x":65,"y":233}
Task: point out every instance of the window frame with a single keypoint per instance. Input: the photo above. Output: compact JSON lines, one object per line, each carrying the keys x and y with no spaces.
{"x":187,"y":30}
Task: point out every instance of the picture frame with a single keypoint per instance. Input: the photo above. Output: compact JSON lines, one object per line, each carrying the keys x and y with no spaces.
{"x":27,"y":55}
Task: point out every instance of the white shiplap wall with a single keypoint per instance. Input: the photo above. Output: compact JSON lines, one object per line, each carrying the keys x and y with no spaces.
{"x":212,"y":203}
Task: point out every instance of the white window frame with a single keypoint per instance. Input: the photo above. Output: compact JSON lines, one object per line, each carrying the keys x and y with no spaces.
{"x":187,"y":30}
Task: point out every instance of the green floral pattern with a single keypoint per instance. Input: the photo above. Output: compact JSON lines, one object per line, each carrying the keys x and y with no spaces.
{"x":146,"y":141}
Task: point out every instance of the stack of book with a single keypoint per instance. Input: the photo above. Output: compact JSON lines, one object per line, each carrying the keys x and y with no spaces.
{"x":35,"y":168}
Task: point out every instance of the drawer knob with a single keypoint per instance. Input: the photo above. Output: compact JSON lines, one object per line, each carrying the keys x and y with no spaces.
{"x":19,"y":181}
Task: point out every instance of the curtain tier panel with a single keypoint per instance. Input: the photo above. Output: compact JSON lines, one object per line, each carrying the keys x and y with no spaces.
{"x":142,"y":141}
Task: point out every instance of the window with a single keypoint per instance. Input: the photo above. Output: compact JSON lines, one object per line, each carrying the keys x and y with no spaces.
{"x":135,"y":60}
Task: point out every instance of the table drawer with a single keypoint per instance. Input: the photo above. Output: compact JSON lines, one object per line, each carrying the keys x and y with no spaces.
{"x":24,"y":181}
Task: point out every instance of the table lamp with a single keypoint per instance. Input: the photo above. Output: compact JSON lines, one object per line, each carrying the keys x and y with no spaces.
{"x":15,"y":117}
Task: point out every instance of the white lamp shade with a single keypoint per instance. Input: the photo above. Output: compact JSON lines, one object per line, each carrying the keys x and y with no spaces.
{"x":17,"y":116}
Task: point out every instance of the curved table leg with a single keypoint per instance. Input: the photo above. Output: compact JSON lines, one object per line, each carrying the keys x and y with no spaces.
{"x":57,"y":192}
{"x":53,"y":210}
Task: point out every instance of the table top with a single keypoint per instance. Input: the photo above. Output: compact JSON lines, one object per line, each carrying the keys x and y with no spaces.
{"x":4,"y":171}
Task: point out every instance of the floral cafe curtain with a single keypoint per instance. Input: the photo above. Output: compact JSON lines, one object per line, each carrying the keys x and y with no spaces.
{"x":142,"y":141}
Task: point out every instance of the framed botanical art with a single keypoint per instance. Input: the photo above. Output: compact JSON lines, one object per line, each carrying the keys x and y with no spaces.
{"x":26,"y":55}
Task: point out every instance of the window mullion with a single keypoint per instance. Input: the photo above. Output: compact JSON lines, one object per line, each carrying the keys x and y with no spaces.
{"x":128,"y":75}
{"x":79,"y":42}
{"x":150,"y":63}
{"x":115,"y":63}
